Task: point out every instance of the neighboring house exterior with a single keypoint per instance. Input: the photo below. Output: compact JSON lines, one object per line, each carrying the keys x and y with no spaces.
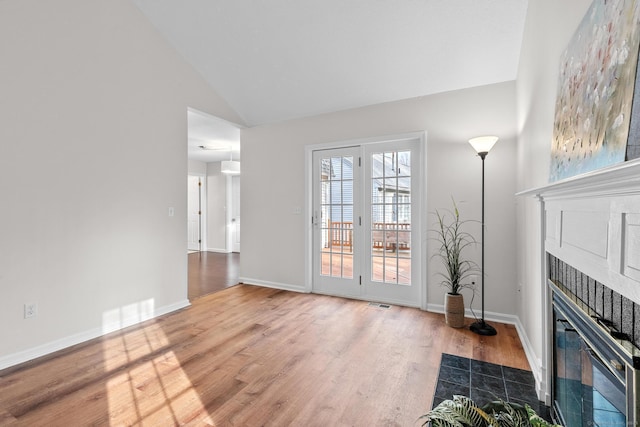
{"x":390,"y":200}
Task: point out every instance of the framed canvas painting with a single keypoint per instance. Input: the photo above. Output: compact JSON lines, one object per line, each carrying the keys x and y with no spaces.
{"x":593,"y":112}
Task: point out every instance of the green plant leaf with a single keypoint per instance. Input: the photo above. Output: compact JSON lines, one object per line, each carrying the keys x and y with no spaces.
{"x":536,"y":421}
{"x":461,"y":411}
{"x":453,"y":241}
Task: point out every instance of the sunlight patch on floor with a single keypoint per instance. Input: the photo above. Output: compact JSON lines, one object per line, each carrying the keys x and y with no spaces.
{"x":148,"y":386}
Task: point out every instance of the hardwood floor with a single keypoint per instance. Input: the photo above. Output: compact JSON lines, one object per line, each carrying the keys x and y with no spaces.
{"x":211,"y":272}
{"x":252,"y":356}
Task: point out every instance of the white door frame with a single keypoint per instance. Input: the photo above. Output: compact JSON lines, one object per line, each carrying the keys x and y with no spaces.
{"x":203,"y":207}
{"x":232,"y":223}
{"x":308,"y":205}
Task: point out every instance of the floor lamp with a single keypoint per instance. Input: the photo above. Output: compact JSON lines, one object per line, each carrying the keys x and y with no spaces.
{"x":482,"y":145}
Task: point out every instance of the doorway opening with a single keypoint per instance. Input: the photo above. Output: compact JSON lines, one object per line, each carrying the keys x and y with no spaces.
{"x":213,"y":205}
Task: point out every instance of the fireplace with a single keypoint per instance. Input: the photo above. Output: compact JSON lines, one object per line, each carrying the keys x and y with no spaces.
{"x":588,"y":370}
{"x":595,"y":364}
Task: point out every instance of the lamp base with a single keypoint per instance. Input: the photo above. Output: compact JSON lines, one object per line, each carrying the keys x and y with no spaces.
{"x":480,"y":327}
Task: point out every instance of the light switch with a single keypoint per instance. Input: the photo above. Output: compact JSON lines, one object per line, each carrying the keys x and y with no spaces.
{"x":297,"y":210}
{"x":172,"y":211}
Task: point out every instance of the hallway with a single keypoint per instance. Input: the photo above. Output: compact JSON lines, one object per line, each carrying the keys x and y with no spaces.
{"x":211,"y":272}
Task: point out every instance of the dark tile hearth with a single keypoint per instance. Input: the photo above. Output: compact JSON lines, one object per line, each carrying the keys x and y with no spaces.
{"x":485,"y":382}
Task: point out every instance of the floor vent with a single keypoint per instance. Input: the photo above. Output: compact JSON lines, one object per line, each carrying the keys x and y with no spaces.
{"x":376,"y":304}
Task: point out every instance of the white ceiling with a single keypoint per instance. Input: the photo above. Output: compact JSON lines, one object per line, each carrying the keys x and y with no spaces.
{"x":274,"y":60}
{"x":221,"y":138}
{"x":282,"y":59}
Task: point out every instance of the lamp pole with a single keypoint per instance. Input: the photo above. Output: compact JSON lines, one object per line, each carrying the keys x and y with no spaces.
{"x":482,"y":146}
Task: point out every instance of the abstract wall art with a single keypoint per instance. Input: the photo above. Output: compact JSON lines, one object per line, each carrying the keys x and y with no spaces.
{"x":593,"y":112}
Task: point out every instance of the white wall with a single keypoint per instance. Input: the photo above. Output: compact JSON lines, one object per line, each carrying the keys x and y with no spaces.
{"x":549,"y":27}
{"x":93,"y":153}
{"x":216,"y":208}
{"x":196,"y":168}
{"x":273,"y":172}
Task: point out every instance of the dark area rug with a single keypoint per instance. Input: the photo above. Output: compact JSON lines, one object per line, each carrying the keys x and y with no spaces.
{"x":484,"y":382}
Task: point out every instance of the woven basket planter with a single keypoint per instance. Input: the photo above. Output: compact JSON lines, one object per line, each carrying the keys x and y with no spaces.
{"x":454,"y":310}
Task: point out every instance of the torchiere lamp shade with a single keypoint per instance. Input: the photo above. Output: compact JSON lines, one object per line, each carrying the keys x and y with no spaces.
{"x":483,"y":144}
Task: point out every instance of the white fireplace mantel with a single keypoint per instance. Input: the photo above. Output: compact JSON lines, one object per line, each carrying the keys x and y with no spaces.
{"x":592,"y":222}
{"x":615,"y":180}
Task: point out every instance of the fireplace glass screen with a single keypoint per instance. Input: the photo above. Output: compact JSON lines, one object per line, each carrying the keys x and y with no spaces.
{"x":586,"y":392}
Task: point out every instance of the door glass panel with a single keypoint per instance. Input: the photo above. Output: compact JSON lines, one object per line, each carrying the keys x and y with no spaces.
{"x":336,"y":191}
{"x":390,"y":233}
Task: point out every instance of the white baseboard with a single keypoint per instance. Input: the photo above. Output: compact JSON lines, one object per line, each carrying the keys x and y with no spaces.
{"x":274,"y":285}
{"x":62,"y":343}
{"x":218,"y":250}
{"x":488,"y":315}
{"x":534,"y":362}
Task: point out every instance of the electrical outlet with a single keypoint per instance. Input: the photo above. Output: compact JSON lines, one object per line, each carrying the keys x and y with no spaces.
{"x":30,"y":310}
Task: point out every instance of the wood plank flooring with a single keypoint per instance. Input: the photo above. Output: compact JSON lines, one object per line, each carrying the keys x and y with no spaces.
{"x":211,"y":272}
{"x":252,"y":356}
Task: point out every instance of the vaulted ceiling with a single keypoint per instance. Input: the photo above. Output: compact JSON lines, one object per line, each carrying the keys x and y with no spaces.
{"x":274,"y":60}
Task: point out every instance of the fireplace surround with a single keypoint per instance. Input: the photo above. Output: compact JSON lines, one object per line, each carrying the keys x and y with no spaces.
{"x":620,"y":313}
{"x":590,"y":283}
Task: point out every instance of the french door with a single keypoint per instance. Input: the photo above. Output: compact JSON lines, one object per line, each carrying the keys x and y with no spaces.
{"x":336,"y":205}
{"x":366,"y":230}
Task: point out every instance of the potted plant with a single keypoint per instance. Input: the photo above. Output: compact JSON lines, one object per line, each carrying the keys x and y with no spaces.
{"x":461,"y":411}
{"x":453,"y":240}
